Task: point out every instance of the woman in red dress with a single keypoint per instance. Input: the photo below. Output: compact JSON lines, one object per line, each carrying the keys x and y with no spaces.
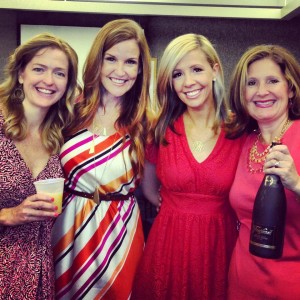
{"x":189,"y":246}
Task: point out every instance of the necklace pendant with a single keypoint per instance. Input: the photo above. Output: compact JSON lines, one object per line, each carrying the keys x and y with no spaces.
{"x":92,"y":149}
{"x":96,"y":196}
{"x":197,"y":146}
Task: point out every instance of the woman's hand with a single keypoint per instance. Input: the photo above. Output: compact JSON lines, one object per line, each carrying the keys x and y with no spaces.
{"x":280,"y":162}
{"x":151,"y":185}
{"x":158,"y":205}
{"x":38,"y":207}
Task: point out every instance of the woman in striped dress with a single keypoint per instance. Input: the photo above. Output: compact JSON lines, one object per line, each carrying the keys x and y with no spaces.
{"x":98,"y":239}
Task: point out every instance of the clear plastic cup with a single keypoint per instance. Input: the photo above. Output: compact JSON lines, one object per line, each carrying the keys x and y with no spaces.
{"x":53,"y":187}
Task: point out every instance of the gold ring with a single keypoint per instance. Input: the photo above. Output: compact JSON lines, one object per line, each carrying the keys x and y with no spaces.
{"x":276,"y":164}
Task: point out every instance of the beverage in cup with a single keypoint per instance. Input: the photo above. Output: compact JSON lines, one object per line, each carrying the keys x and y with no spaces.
{"x":53,"y":187}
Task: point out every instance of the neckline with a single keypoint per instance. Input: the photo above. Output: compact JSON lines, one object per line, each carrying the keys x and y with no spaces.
{"x":261,"y":148}
{"x":2,"y":120}
{"x":264,"y":145}
{"x":188,"y":149}
{"x":26,"y":165}
{"x":103,"y":136}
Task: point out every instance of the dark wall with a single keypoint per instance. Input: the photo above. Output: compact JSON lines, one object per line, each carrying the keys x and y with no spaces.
{"x":8,"y":36}
{"x":230,"y":36}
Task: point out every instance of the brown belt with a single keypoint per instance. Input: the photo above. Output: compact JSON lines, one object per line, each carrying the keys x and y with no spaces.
{"x":106,"y":197}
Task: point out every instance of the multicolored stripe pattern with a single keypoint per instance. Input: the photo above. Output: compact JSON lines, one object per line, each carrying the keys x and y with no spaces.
{"x":97,"y":247}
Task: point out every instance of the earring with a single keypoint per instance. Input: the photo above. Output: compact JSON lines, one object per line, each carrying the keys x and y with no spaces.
{"x":18,"y":94}
{"x":293,"y":108}
{"x":291,"y":105}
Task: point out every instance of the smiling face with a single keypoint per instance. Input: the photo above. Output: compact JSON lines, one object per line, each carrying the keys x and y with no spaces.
{"x":266,"y":92}
{"x":192,"y":79}
{"x":120,"y":67}
{"x":45,"y":78}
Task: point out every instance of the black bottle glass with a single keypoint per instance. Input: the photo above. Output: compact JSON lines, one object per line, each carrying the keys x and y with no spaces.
{"x":268,"y":218}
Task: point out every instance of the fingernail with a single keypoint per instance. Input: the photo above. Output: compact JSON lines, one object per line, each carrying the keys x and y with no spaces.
{"x":55,"y":207}
{"x":56,"y":214}
{"x":52,"y":199}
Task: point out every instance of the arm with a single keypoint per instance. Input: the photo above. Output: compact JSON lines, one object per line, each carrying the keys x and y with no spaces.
{"x":37,"y":207}
{"x":150,"y":184}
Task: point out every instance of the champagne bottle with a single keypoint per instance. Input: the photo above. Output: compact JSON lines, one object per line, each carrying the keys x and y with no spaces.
{"x":268,"y":218}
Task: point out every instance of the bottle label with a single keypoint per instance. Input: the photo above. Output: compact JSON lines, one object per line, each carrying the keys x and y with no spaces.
{"x":270,"y":180}
{"x":262,"y":236}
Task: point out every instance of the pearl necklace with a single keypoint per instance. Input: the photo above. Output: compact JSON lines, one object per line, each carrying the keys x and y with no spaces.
{"x":259,"y":158}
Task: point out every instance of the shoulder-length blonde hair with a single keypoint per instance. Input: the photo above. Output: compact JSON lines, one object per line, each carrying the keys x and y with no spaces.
{"x":60,"y":114}
{"x":242,"y":122}
{"x":135,"y":101}
{"x":171,"y":107}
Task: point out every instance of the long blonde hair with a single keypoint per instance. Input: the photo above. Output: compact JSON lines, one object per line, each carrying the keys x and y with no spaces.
{"x":171,"y":107}
{"x":59,"y":115}
{"x":136,"y":100}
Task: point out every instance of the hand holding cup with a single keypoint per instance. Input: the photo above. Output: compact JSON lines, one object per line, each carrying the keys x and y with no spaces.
{"x":53,"y":187}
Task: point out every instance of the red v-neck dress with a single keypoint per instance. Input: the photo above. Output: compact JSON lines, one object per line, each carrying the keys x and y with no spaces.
{"x":189,"y":246}
{"x":26,"y":261}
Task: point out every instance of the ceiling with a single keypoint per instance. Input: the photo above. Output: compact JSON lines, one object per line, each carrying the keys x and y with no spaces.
{"x":250,"y":9}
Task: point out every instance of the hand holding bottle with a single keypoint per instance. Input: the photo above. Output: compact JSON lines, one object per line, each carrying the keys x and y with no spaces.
{"x":268,"y":217}
{"x":280,"y":162}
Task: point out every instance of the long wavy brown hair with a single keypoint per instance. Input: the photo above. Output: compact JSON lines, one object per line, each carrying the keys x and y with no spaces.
{"x":134,"y":105}
{"x":60,"y":114}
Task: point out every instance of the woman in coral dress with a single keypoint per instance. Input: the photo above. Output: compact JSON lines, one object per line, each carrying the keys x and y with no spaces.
{"x":189,"y":246}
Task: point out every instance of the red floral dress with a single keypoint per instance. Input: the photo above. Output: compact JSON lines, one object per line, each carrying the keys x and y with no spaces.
{"x":26,"y":263}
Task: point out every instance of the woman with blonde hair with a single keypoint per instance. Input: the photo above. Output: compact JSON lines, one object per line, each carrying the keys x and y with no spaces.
{"x":99,"y":238}
{"x":35,"y":106}
{"x":189,"y":246}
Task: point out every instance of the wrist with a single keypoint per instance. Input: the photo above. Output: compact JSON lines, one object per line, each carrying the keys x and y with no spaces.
{"x":296,"y":189}
{"x":3,"y":217}
{"x":2,"y":220}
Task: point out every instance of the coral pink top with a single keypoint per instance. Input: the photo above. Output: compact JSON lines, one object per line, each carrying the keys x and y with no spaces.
{"x":252,"y":277}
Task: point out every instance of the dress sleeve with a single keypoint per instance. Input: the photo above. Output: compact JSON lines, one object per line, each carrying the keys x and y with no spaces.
{"x":151,"y":153}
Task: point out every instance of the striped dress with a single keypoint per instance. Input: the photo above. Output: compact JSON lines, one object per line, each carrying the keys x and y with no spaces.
{"x":97,"y":247}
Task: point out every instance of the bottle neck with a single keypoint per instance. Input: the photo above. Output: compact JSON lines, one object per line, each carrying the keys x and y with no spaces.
{"x":272,"y":180}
